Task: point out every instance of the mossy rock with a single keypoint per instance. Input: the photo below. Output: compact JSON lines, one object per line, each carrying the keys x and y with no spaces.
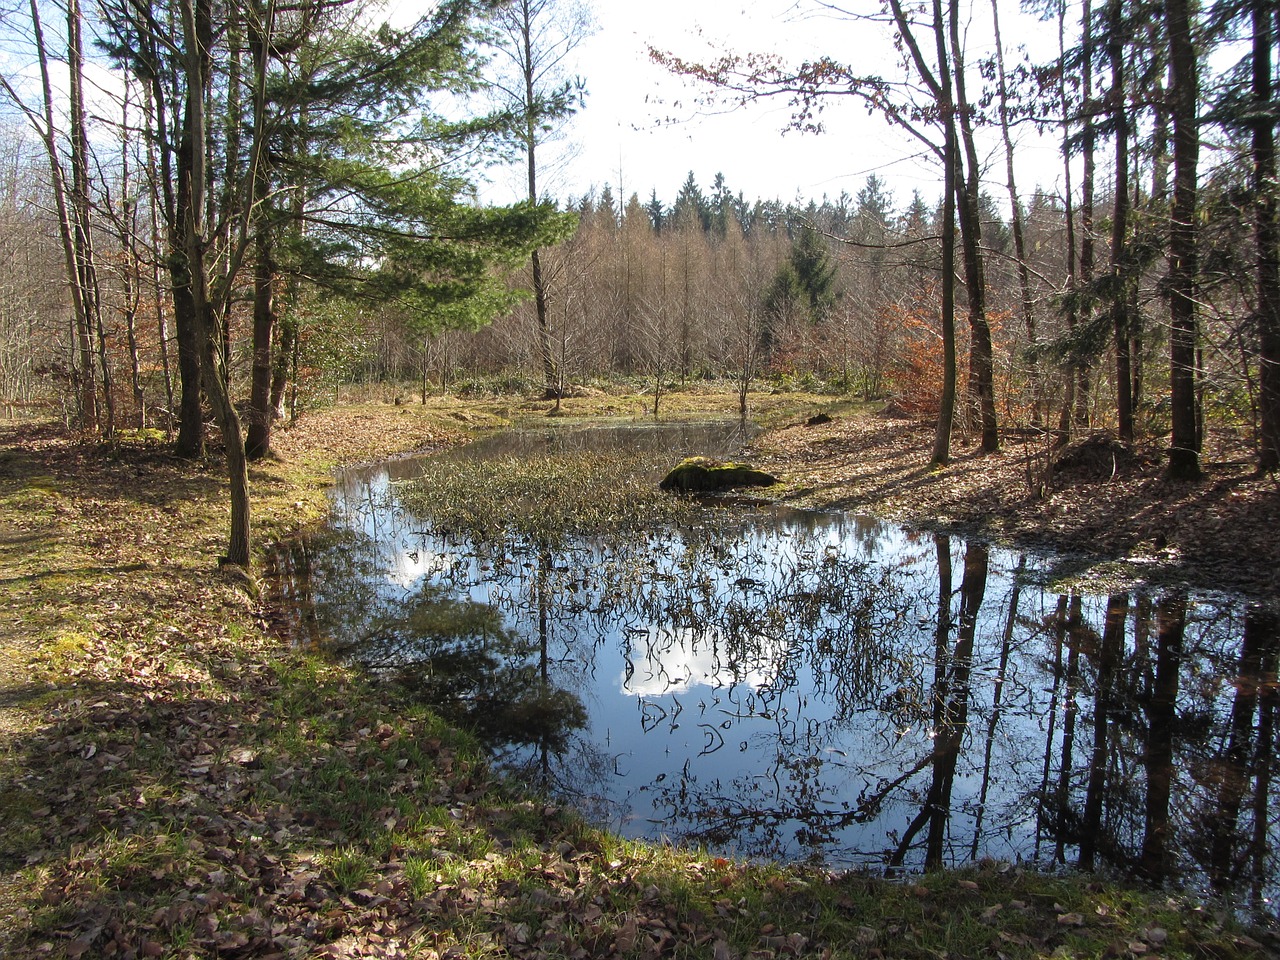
{"x":704,"y":475}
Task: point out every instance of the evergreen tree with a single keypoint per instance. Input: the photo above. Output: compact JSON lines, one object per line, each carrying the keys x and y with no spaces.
{"x":691,"y":208}
{"x":655,"y":211}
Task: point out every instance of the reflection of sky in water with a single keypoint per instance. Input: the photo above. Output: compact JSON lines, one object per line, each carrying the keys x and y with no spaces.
{"x":410,"y":567}
{"x":769,"y":682}
{"x":667,"y":661}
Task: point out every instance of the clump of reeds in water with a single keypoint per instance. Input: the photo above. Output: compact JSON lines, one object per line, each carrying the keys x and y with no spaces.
{"x":543,"y":499}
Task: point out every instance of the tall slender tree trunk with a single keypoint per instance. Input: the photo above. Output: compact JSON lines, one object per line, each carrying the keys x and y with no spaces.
{"x":156,"y":240}
{"x":82,"y":213}
{"x":942,"y":87}
{"x":1158,"y":202}
{"x":1069,"y":215}
{"x":197,"y":36}
{"x":1184,"y":451}
{"x":950,"y":163}
{"x":261,"y":411}
{"x":947,"y":401}
{"x":981,"y":360}
{"x":186,"y":319}
{"x":131,"y":267}
{"x":83,"y":362}
{"x":546,"y":355}
{"x":1017,"y":217}
{"x":1120,"y":223}
{"x":1266,"y":234}
{"x":1089,"y":140}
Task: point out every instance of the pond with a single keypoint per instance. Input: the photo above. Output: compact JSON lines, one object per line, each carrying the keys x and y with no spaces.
{"x":785,"y":684}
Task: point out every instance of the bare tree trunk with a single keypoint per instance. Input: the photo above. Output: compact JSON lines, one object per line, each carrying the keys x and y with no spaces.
{"x":1184,"y":452}
{"x":1089,"y":139}
{"x":524,"y":16}
{"x":82,"y":353}
{"x":82,"y":213}
{"x":1017,"y":218}
{"x":197,"y":36}
{"x":981,"y":361}
{"x":284,"y":355}
{"x":1069,"y":397}
{"x":1119,"y":224}
{"x":157,"y":286}
{"x":175,"y":183}
{"x":131,"y":266}
{"x":546,"y":355}
{"x":261,"y":411}
{"x":1266,"y":235}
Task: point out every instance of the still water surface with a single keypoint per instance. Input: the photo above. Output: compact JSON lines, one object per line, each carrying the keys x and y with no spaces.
{"x":786,"y":684}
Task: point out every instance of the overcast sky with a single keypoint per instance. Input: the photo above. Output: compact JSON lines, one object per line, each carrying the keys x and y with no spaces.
{"x":621,"y":136}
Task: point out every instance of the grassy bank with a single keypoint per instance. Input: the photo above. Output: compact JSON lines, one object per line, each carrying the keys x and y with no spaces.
{"x":175,"y":781}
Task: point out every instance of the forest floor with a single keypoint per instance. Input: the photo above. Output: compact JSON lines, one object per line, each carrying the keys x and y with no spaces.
{"x":175,"y":781}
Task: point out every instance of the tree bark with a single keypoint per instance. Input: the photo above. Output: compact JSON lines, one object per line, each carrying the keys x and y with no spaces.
{"x":1072,"y":310}
{"x":197,"y":36}
{"x":1266,"y":235}
{"x":81,"y":215}
{"x":82,"y":372}
{"x":157,"y":284}
{"x":524,"y":14}
{"x":1089,"y":139}
{"x":1017,"y":216}
{"x":1119,"y":224}
{"x":968,"y":187}
{"x":261,"y":411}
{"x":1184,"y":451}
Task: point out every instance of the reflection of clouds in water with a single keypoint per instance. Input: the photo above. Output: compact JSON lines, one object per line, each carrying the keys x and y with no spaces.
{"x":661,"y":660}
{"x":408,"y":567}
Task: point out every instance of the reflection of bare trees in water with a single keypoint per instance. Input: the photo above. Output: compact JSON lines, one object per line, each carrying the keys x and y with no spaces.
{"x":1161,"y":709}
{"x":1177,"y":778}
{"x":1237,"y":853}
{"x":952,"y":671}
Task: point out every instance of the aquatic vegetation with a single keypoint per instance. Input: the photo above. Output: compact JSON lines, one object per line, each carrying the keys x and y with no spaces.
{"x":542,"y":499}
